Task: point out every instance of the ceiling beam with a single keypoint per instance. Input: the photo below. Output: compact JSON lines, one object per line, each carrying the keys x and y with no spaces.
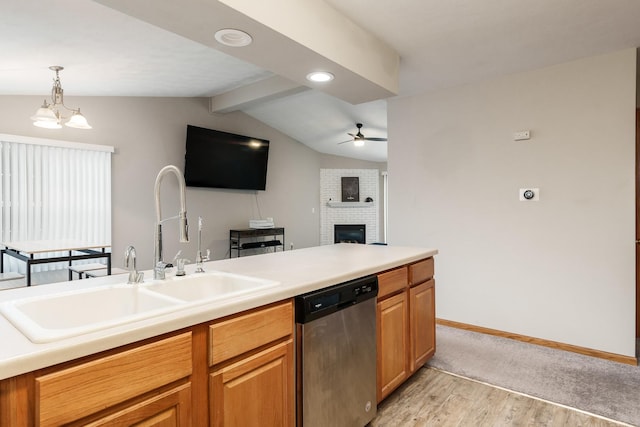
{"x":246,"y":96}
{"x":290,"y":39}
{"x":320,"y":28}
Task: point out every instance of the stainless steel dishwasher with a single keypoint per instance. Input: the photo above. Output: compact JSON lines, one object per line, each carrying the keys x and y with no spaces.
{"x":336,"y":355}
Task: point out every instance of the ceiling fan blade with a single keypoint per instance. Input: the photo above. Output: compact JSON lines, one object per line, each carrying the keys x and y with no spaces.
{"x":359,"y":138}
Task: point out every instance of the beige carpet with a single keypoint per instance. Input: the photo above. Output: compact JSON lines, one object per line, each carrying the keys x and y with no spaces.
{"x":590,"y":384}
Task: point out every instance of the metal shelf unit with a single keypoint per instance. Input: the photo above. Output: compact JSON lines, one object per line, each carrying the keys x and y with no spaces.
{"x":255,"y":238}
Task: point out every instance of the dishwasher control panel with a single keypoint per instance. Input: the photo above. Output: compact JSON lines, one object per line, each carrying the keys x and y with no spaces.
{"x":364,"y":289}
{"x":313,"y":305}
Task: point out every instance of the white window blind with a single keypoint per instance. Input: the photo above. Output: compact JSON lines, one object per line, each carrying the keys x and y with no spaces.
{"x":52,"y":190}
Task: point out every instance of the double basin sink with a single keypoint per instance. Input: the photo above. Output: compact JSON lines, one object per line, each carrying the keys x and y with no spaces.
{"x":49,"y":318}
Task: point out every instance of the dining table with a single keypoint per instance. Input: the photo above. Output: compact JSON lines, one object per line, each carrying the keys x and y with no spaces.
{"x":34,"y":252}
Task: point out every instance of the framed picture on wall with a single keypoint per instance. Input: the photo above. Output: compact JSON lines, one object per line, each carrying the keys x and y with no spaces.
{"x":350,"y":189}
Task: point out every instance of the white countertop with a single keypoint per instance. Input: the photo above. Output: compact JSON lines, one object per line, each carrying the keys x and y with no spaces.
{"x":298,"y":271}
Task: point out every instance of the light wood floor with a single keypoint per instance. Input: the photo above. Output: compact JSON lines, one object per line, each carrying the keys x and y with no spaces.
{"x":434,"y":398}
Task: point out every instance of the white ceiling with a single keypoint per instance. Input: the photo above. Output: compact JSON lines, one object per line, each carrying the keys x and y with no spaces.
{"x":441,"y":44}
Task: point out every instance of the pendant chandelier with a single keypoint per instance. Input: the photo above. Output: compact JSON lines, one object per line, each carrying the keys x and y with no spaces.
{"x":49,"y":117}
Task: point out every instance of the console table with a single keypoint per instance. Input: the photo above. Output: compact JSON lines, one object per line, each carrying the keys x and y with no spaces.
{"x":26,"y":251}
{"x":253,"y":238}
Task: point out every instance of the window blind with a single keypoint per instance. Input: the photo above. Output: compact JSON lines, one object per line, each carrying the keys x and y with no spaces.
{"x":52,"y":190}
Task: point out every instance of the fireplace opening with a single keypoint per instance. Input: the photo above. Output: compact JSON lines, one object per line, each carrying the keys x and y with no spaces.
{"x":349,"y":233}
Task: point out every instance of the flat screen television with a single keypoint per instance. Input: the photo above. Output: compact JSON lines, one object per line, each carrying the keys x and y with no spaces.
{"x":225,"y":160}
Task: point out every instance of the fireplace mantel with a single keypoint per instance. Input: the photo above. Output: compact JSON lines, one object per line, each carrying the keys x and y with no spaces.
{"x":349,"y":204}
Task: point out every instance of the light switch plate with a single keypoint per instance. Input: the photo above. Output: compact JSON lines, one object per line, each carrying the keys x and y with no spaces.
{"x":524,"y":194}
{"x":521,"y":135}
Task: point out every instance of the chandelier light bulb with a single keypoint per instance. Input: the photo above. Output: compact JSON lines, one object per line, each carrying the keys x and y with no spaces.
{"x":47,"y":124}
{"x":78,"y":121}
{"x":45,"y":113}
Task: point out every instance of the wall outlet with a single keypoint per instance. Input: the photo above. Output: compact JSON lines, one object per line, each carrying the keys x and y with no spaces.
{"x":529,"y":194}
{"x":521,"y":135}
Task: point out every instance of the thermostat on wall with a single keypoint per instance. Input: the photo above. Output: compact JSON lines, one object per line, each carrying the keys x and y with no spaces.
{"x":529,"y":194}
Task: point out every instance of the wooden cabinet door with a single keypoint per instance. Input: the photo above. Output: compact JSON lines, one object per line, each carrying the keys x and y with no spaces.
{"x":168,"y":409}
{"x":422,"y":323}
{"x":393,"y":344}
{"x":255,"y":391}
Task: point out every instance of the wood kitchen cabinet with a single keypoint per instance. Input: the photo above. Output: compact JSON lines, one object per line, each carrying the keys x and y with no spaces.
{"x":235,"y":370}
{"x":422,"y":313}
{"x":167,"y":409}
{"x":238,"y":370}
{"x":405,"y":323}
{"x":147,"y":385}
{"x":256,"y":390}
{"x":422,"y":324}
{"x":77,"y":393}
{"x":392,"y":330}
{"x":252,"y":369}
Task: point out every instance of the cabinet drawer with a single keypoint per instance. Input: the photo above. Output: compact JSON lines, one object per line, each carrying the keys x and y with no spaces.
{"x":392,"y":281}
{"x":238,"y":335}
{"x":421,"y":271}
{"x":169,"y":408}
{"x":81,"y":390}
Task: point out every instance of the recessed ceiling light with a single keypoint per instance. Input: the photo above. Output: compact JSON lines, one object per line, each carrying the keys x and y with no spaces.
{"x":320,"y":76}
{"x":232,"y":37}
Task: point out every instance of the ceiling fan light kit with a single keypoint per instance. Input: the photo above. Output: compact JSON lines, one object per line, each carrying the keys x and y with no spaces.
{"x":48,"y":117}
{"x":358,"y":138}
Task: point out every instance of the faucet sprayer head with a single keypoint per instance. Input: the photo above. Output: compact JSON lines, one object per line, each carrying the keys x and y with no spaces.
{"x":184,"y":227}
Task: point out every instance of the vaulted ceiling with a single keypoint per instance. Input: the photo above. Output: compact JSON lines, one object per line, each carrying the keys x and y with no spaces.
{"x":376,"y":49}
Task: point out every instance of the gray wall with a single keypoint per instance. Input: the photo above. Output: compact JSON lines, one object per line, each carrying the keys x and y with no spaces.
{"x":149,"y":133}
{"x":562,"y":268}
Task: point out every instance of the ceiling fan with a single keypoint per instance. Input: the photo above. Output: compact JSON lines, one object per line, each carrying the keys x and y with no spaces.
{"x":359,"y":139}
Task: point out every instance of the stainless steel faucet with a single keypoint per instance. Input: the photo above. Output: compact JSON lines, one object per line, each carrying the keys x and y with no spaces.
{"x":159,"y":265}
{"x":199,"y":257}
{"x":130,"y":263}
{"x":180,"y":263}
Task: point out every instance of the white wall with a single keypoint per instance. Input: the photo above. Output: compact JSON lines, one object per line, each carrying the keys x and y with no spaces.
{"x":149,"y":133}
{"x":560,"y":269}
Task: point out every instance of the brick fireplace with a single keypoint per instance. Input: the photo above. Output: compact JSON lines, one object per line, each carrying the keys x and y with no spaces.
{"x":335,"y":212}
